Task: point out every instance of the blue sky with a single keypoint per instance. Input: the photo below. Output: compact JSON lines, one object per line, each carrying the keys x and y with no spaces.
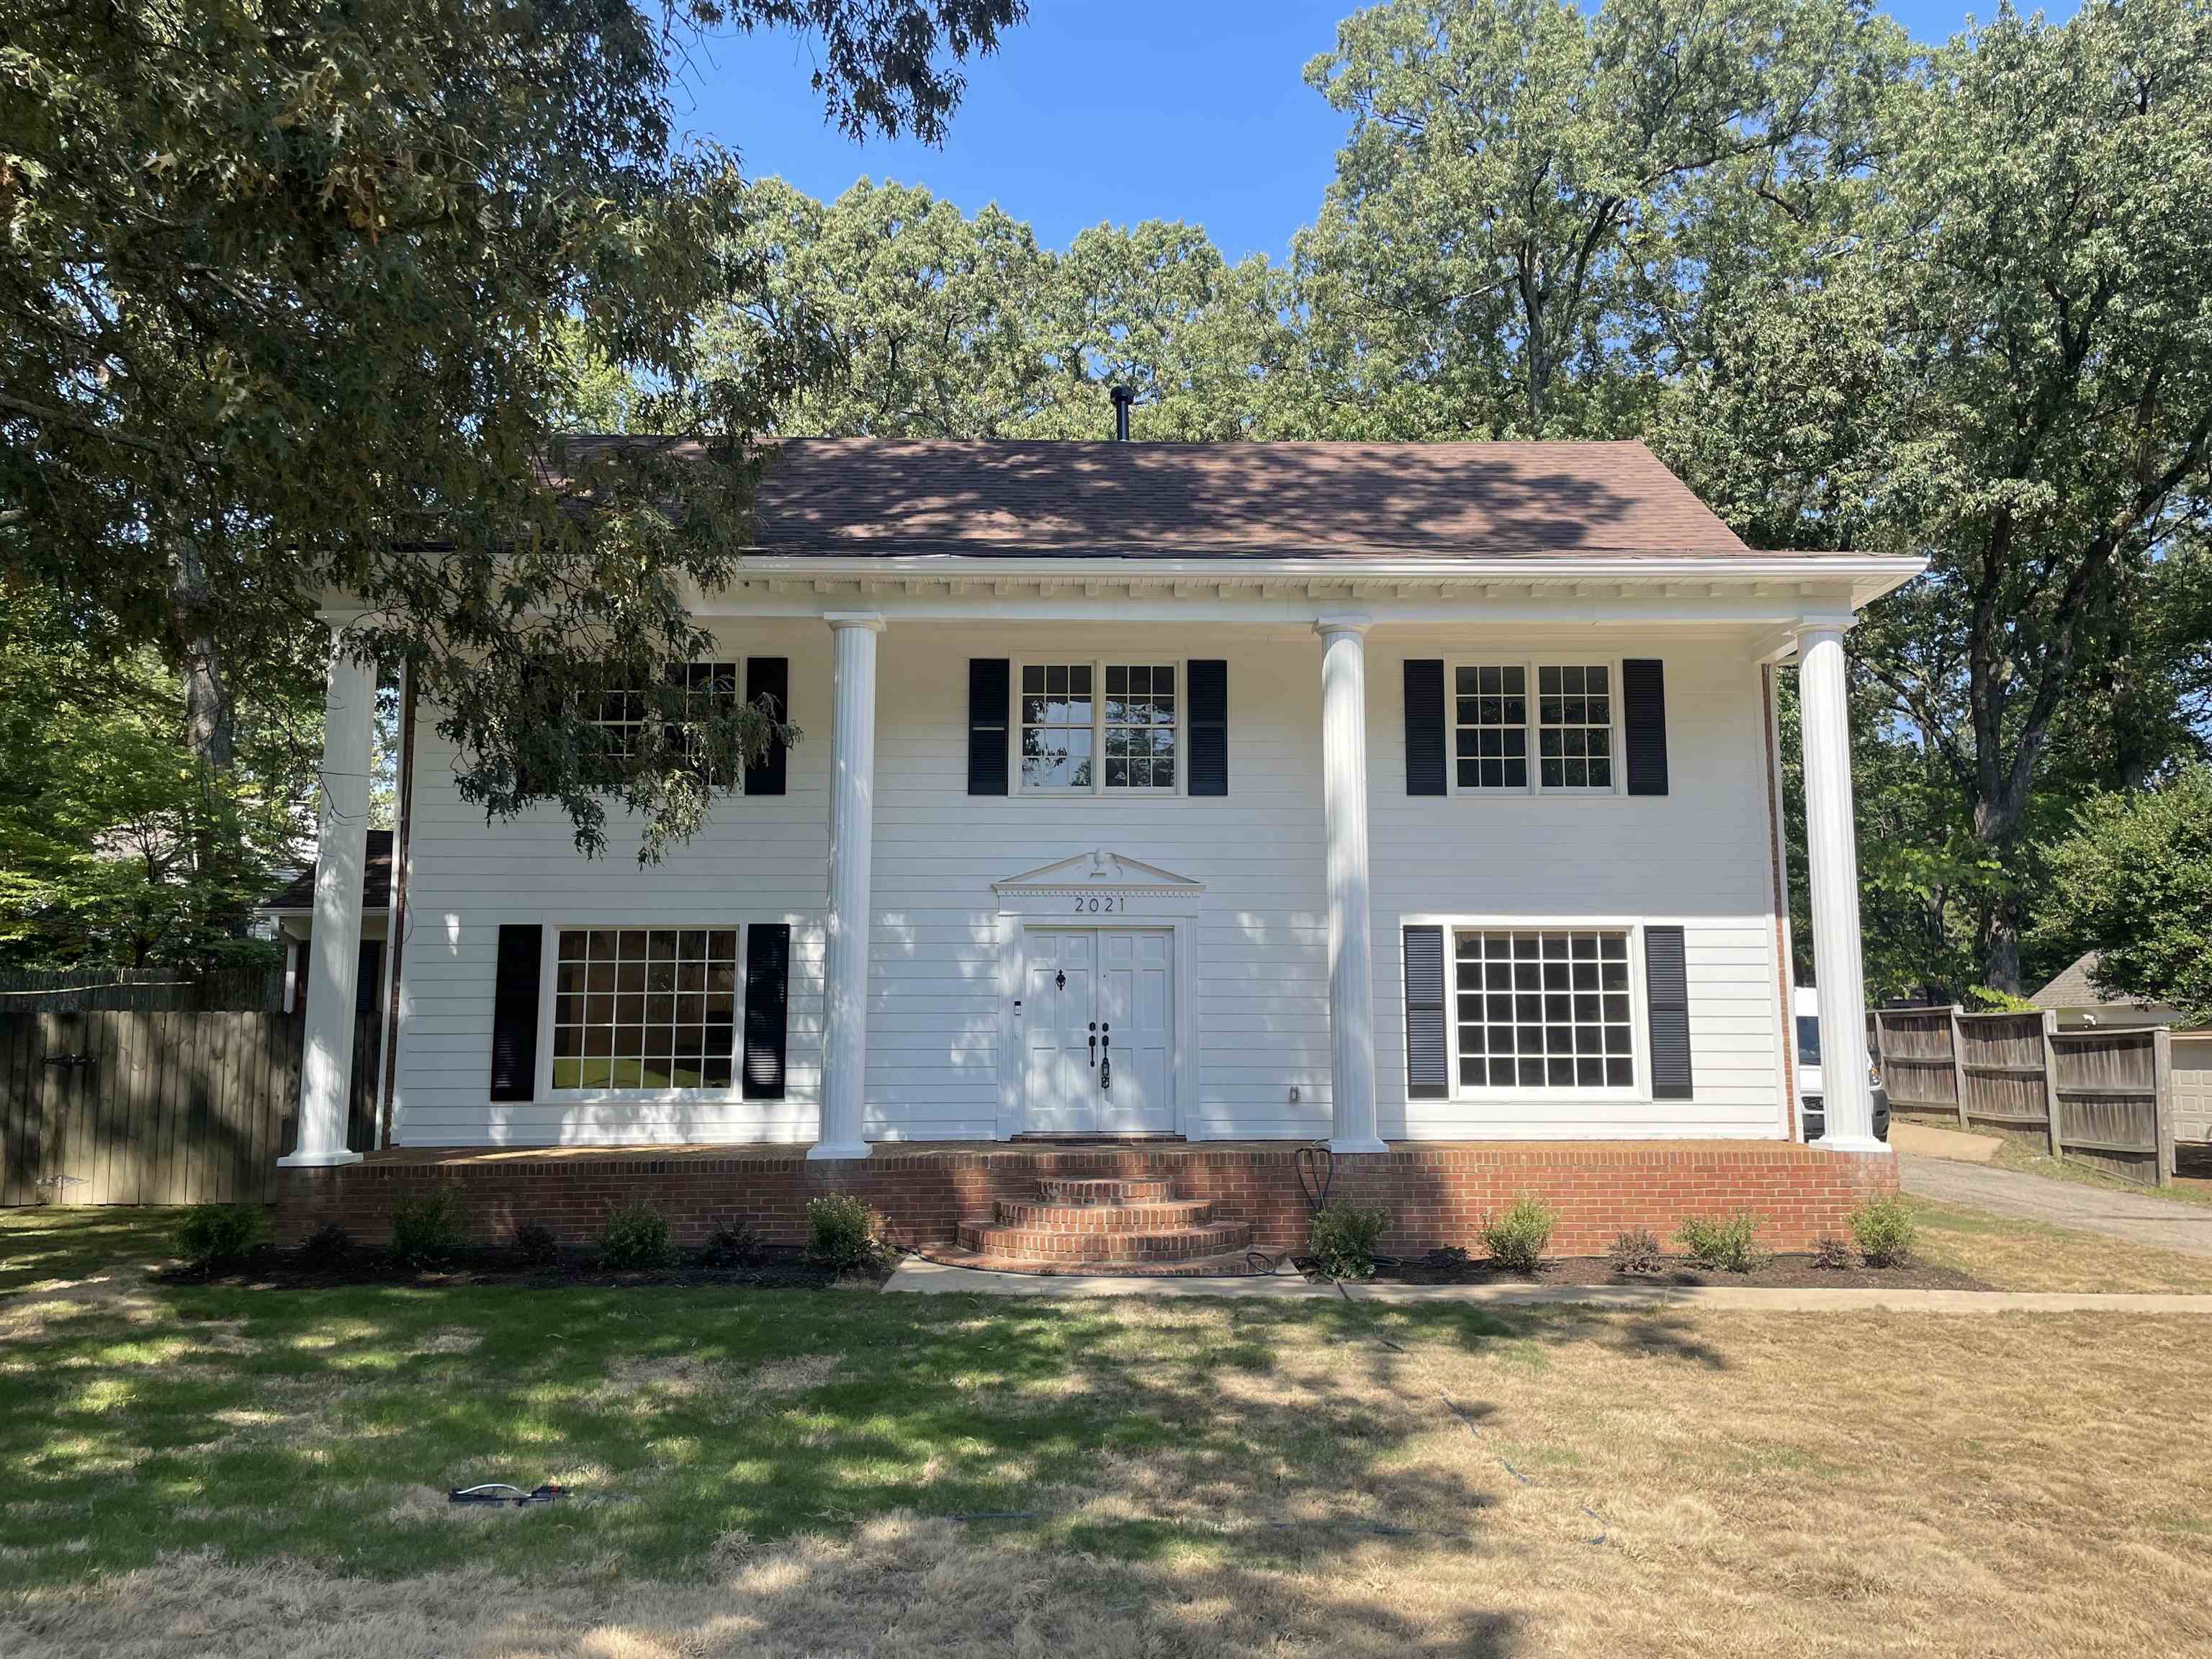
{"x":1095,"y":110}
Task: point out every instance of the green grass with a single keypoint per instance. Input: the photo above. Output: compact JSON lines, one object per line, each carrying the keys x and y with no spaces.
{"x":328,"y":1425}
{"x":61,"y":1248}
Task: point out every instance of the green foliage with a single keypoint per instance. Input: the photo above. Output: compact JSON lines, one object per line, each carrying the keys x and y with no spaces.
{"x":297,"y":302}
{"x":1636,"y":1252}
{"x":1725,"y":1244}
{"x":329,"y":1247}
{"x":1988,"y":999}
{"x":215,"y":1235}
{"x":635,"y":1238}
{"x":1883,"y":1229}
{"x":426,"y":1226}
{"x":1515,"y":1240}
{"x":841,"y":1233}
{"x":1343,"y":1237}
{"x":538,"y":1245}
{"x":2134,"y":883}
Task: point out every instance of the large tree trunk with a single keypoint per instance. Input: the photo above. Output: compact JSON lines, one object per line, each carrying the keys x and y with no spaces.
{"x":2000,"y":947}
{"x":209,"y":721}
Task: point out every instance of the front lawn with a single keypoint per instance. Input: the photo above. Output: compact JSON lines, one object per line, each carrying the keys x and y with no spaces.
{"x":228,"y":1470}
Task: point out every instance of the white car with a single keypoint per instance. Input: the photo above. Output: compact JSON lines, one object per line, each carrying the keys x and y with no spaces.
{"x":1810,"y":1099}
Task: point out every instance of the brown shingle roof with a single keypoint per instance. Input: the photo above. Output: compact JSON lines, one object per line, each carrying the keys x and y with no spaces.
{"x":861,"y":495}
{"x":299,"y":893}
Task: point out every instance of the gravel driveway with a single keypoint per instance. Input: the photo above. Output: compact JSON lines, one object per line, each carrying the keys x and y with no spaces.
{"x":2170,"y":1223}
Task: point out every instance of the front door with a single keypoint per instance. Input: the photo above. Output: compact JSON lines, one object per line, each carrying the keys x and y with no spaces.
{"x":1099,"y":1020}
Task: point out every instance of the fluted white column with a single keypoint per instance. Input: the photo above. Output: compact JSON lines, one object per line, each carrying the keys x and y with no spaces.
{"x":1833,"y":873}
{"x":334,"y":950}
{"x":851,"y":858}
{"x":1344,"y":809}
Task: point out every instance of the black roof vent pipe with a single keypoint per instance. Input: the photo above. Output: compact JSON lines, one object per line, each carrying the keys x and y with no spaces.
{"x":1123,"y":397}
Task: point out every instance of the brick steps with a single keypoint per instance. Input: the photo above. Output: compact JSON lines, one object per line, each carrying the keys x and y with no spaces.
{"x":1233,"y":1264}
{"x":1117,"y":1226}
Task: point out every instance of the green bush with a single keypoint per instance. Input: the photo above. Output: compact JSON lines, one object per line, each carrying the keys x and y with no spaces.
{"x":538,"y":1245}
{"x":841,"y":1233}
{"x":1517,"y":1239}
{"x":1637,"y":1252}
{"x":636,"y":1237}
{"x":1342,"y":1242}
{"x":732,"y":1244}
{"x":1726,"y":1245}
{"x":210,"y":1235}
{"x":1883,"y":1227}
{"x":426,"y":1226}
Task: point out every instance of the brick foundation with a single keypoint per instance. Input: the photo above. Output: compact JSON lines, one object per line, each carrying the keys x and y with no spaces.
{"x":1435,"y":1191}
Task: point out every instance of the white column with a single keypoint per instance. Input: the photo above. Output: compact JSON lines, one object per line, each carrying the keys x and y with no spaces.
{"x":851,"y":857}
{"x":334,"y":948}
{"x":1833,"y":872}
{"x":1344,"y":809}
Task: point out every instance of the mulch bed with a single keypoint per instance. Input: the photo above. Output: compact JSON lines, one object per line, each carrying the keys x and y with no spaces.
{"x":774,"y":1267}
{"x":1779,"y":1272}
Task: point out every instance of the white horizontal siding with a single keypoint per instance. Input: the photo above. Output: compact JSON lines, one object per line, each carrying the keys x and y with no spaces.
{"x":1698,"y":858}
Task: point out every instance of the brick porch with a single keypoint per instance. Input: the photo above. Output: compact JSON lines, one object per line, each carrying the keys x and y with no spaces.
{"x":1436,"y":1191}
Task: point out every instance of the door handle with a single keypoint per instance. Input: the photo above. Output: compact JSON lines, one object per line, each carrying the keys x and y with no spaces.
{"x":1106,"y":1058}
{"x":1093,"y":1041}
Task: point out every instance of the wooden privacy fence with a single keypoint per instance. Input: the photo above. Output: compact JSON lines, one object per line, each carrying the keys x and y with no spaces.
{"x":143,"y":1107}
{"x":2105,"y":1097}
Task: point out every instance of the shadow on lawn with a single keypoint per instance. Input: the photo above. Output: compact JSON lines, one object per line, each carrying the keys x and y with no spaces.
{"x":1255,"y":1459}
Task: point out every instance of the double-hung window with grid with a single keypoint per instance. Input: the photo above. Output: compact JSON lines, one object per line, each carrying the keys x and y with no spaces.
{"x":1087,"y":728}
{"x":1568,"y":722}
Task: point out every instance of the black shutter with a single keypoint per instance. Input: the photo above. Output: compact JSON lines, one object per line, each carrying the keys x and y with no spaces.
{"x":988,"y":693}
{"x":768,"y":996}
{"x":514,"y":1013}
{"x":1425,"y":727}
{"x":1427,"y":1063}
{"x":1205,"y":703}
{"x":1667,"y":991}
{"x":768,"y":679}
{"x":1643,"y":703}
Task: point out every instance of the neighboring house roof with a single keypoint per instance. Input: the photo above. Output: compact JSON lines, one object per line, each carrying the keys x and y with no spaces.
{"x":299,"y":893}
{"x":2070,"y":987}
{"x":847,"y":497}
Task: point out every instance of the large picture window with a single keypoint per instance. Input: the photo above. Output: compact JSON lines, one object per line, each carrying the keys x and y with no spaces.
{"x":1543,"y":1010}
{"x":1072,"y":739}
{"x":645,"y":1007}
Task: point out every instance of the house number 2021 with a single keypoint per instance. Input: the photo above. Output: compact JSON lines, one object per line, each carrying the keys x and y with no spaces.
{"x":1094,"y":903}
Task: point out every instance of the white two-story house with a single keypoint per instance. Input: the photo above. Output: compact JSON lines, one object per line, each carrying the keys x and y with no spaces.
{"x":1382,"y":795}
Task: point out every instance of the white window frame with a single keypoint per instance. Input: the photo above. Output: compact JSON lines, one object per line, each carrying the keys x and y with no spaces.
{"x":1532,"y":666}
{"x":1638,"y":1091}
{"x":549,"y":962}
{"x":739,"y":662}
{"x":1098,"y":665}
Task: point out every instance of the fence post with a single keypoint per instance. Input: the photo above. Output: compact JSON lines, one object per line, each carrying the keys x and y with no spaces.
{"x":1880,"y":1055}
{"x":2050,"y":1082}
{"x":2161,"y":1075}
{"x":1959,"y":1061}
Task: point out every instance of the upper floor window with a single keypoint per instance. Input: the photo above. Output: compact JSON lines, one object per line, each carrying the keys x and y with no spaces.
{"x":1569,"y":723}
{"x":624,"y":712}
{"x":1074,"y":740}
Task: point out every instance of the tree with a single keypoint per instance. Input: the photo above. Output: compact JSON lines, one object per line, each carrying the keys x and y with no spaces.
{"x":300,"y":295}
{"x":1507,"y":156}
{"x":2133,"y":881}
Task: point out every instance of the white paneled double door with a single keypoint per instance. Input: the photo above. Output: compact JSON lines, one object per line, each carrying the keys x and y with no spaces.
{"x":1098,"y":1024}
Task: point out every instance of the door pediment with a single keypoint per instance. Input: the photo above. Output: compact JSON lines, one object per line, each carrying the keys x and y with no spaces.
{"x":1099,"y":871}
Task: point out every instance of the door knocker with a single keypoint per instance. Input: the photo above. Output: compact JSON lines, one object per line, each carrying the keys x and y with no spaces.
{"x":1105,"y":1058}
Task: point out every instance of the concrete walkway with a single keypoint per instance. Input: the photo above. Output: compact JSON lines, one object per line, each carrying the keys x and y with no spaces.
{"x":2136,"y":1218}
{"x":929,"y":1277}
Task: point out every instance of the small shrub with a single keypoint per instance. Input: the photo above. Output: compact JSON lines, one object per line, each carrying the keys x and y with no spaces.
{"x":426,"y":1226}
{"x":1833,"y":1255}
{"x":328,"y":1247}
{"x":1342,"y":1242}
{"x":1884,"y":1228}
{"x":1727,"y":1245}
{"x":537,"y":1244}
{"x":1637,"y":1252}
{"x":732,"y":1244}
{"x":1515,"y":1240}
{"x":211,"y":1234}
{"x":840,"y":1232}
{"x":636,"y":1237}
